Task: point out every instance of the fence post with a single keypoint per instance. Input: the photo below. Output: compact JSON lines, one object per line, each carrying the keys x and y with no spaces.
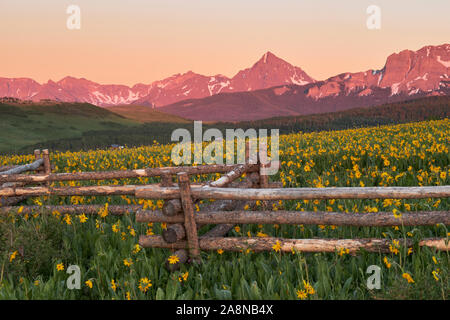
{"x":189,"y":220}
{"x":37,"y":156}
{"x":47,"y":165}
{"x":263,"y":165}
{"x":263,"y":177}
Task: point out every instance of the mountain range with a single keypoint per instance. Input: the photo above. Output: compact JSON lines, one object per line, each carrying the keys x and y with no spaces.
{"x":271,"y":87}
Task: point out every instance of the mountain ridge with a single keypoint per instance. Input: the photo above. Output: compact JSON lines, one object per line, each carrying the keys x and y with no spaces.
{"x":288,"y":89}
{"x":268,"y":71}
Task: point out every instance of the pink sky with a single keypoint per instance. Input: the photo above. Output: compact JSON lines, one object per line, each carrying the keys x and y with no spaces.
{"x":133,"y":41}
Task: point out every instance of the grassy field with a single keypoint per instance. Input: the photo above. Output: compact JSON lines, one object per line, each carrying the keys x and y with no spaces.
{"x":27,"y":124}
{"x":36,"y":250}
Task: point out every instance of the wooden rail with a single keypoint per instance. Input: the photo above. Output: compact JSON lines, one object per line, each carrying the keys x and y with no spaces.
{"x":90,"y":209}
{"x":19,"y":169}
{"x":290,"y":245}
{"x":380,"y":219}
{"x":206,"y":192}
{"x":124,"y":174}
{"x":6,"y":168}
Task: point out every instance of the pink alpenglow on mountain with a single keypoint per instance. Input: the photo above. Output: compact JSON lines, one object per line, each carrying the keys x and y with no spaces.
{"x":268,"y":72}
{"x":408,"y":72}
{"x":406,"y":75}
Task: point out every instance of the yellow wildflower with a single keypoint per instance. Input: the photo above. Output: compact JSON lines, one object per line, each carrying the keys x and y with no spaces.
{"x":301,"y":294}
{"x":435,"y":260}
{"x":277,"y":246}
{"x":68,"y":219}
{"x":12,"y":256}
{"x":435,"y":275}
{"x":137,"y":248}
{"x":144,"y":284}
{"x":397,"y":214}
{"x":88,"y":284}
{"x":386,"y":262}
{"x":408,"y":277}
{"x":309,"y":288}
{"x":113,"y":285}
{"x":127,"y":262}
{"x":82,"y":218}
{"x":173,"y":259}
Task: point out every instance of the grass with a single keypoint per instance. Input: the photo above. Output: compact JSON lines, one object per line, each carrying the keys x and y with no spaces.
{"x":26,"y":124}
{"x":105,"y":248}
{"x":145,"y":114}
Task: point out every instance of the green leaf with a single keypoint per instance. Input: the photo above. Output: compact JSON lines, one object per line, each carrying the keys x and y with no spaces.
{"x":159,"y":294}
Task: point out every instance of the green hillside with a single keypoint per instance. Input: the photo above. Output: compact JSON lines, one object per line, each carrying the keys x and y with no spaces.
{"x":24,"y":124}
{"x":145,"y":114}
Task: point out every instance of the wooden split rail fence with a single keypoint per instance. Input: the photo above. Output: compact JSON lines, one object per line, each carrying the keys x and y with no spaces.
{"x":40,"y":165}
{"x":231,"y":195}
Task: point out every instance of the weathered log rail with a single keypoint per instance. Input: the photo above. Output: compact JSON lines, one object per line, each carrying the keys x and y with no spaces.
{"x":207,"y":192}
{"x":290,"y":245}
{"x":379,"y":219}
{"x":89,"y":209}
{"x":20,"y":169}
{"x":123,"y":174}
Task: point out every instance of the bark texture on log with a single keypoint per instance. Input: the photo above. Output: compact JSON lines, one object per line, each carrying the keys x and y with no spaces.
{"x":263,"y":165}
{"x":69,"y":191}
{"x":74,"y":209}
{"x":166,"y":180}
{"x":174,"y":233}
{"x":74,"y":191}
{"x":20,"y":169}
{"x":228,"y":178}
{"x":47,"y":165}
{"x":6,"y":168}
{"x":289,"y":245}
{"x":10,"y":201}
{"x":172,"y":207}
{"x":206,"y":192}
{"x":188,"y":210}
{"x":380,"y":219}
{"x":219,"y":231}
{"x":121,"y":174}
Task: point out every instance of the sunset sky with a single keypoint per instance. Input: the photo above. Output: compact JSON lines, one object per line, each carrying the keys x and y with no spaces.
{"x":139,"y":41}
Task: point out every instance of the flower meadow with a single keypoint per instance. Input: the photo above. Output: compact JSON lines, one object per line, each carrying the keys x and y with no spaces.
{"x":37,"y":249}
